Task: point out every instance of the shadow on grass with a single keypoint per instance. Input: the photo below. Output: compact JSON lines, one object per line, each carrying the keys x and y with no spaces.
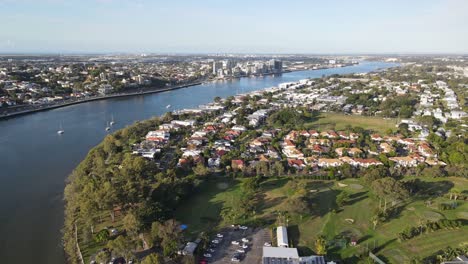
{"x":273,"y":184}
{"x":424,"y":188}
{"x":357,"y":197}
{"x":322,"y":202}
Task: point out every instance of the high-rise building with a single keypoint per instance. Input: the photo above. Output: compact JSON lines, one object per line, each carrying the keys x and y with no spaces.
{"x":275,"y":65}
{"x":216,"y":66}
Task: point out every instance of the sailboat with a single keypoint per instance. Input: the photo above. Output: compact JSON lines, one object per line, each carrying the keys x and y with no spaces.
{"x":112,"y":122}
{"x":60,"y":131}
{"x":108,"y":127}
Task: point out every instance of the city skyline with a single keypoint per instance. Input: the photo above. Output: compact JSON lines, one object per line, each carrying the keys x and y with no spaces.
{"x":140,"y":26}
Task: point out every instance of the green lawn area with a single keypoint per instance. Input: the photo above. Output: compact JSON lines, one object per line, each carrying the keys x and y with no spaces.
{"x":340,"y":121}
{"x":202,"y":211}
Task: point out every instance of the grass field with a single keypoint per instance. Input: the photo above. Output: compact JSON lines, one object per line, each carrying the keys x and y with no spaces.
{"x":201,"y":213}
{"x":340,"y":121}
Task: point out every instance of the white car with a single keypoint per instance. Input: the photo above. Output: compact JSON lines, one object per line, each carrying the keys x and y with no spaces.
{"x":245,"y":240}
{"x":207,"y":255}
{"x":219,"y":235}
{"x":243,"y":227}
{"x":244,"y":246}
{"x":215,"y":241}
{"x":235,"y":242}
{"x":267,"y":244}
{"x":235,"y":260}
{"x":241,"y":250}
{"x":211,"y":250}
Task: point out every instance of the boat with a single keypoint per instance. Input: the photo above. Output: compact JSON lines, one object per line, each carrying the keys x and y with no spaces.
{"x":168,"y":106}
{"x":112,"y":122}
{"x":60,"y":131}
{"x":108,"y":127}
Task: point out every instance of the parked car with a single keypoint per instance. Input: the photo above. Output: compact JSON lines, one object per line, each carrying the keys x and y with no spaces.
{"x":243,"y":227}
{"x":244,"y":246}
{"x":211,"y":250}
{"x":235,"y":242}
{"x":215,"y":241}
{"x":241,"y":250}
{"x":267,"y":244}
{"x":245,"y":240}
{"x":236,"y":257}
{"x":207,"y":255}
{"x":219,"y":235}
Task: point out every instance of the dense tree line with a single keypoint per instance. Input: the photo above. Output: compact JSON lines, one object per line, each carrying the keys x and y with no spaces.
{"x":111,"y":180}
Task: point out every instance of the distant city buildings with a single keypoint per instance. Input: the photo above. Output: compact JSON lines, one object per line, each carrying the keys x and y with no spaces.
{"x":230,"y":68}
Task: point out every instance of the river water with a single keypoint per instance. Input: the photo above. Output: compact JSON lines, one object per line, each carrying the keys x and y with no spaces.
{"x":35,"y":160}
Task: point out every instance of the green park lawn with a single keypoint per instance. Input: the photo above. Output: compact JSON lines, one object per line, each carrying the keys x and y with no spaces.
{"x":201,"y":213}
{"x":341,"y":121}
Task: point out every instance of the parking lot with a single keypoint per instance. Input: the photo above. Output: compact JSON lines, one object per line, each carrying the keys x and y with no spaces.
{"x":225,"y":249}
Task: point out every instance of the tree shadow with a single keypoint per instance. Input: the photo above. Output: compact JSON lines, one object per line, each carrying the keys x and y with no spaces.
{"x":274,"y":184}
{"x":357,"y":197}
{"x":266,"y":204}
{"x":294,"y":235}
{"x":380,"y":247}
{"x":424,"y":188}
{"x":322,"y":202}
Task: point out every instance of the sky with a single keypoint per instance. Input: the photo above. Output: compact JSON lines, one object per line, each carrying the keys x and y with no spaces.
{"x":234,"y":26}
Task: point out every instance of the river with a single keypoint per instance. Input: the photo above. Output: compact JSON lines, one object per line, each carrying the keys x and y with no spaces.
{"x":35,"y":160}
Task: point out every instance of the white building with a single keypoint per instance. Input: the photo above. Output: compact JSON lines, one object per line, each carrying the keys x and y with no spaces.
{"x":282,"y":236}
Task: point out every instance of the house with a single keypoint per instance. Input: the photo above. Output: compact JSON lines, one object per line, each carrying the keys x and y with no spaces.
{"x":319,"y":141}
{"x":329,"y":134}
{"x":296,"y":163}
{"x":105,"y":89}
{"x":237,"y":164}
{"x":386,"y":148}
{"x":214,"y":162}
{"x":184,"y":123}
{"x":350,"y":151}
{"x":343,"y":135}
{"x":313,"y":133}
{"x":324,"y":162}
{"x":238,"y":128}
{"x":426,"y":150}
{"x":367,"y":162}
{"x":404,"y":161}
{"x":376,"y":137}
{"x":158,"y":135}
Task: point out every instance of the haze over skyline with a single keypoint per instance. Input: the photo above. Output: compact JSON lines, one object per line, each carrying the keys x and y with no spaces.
{"x":242,"y":26}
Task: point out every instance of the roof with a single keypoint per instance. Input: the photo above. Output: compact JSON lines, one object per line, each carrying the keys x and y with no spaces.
{"x":280,"y":252}
{"x":282,"y":236}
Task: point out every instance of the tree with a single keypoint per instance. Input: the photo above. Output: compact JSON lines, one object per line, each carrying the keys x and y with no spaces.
{"x":389,"y":188}
{"x":171,"y":236}
{"x":122,"y":246}
{"x":103,"y":257}
{"x":342,"y":198}
{"x":321,"y":245}
{"x":153,"y":258}
{"x":375,"y":220}
{"x":279,"y":168}
{"x":200,"y":170}
{"x":131,"y":224}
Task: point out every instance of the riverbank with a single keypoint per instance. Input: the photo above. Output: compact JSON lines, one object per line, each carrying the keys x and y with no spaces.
{"x":97,"y":98}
